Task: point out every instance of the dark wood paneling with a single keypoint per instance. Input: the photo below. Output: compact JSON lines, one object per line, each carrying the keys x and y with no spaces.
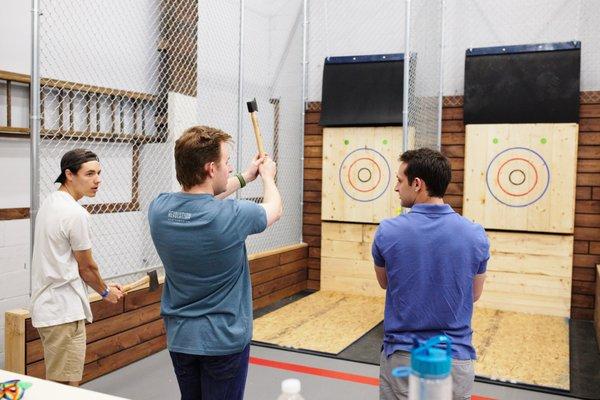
{"x":293,"y":255}
{"x":141,"y":298}
{"x":119,"y":360}
{"x":278,"y":272}
{"x":274,"y":285}
{"x":7,"y":214}
{"x":279,"y":294}
{"x":263,"y":263}
{"x":124,"y":340}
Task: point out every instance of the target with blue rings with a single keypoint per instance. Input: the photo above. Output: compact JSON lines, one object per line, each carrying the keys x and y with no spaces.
{"x":518,"y":177}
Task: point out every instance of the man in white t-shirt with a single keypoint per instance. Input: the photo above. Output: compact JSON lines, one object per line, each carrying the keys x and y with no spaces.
{"x":62,"y":265}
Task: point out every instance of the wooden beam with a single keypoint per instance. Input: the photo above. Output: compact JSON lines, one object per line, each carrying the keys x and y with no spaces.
{"x":75,"y":86}
{"x":13,"y":76}
{"x":7,"y":214}
{"x":276,"y":251}
{"x":14,"y":131}
{"x":14,"y":340}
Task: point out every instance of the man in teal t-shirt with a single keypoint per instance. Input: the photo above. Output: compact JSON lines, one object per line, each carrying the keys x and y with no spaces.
{"x":200,"y":238}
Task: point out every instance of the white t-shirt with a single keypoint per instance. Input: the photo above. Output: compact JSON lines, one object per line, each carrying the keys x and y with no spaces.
{"x":59,"y":294}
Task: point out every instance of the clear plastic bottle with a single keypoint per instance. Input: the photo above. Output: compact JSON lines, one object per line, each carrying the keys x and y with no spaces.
{"x":429,"y":375}
{"x":290,"y":390}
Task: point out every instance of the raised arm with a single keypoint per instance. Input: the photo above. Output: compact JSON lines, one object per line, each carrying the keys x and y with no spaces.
{"x":249,"y":175}
{"x":271,"y":197}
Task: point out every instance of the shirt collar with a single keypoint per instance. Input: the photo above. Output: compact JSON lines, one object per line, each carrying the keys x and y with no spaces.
{"x":423,"y":208}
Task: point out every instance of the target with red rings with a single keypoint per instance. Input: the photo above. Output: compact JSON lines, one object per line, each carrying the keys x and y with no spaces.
{"x":518,"y":177}
{"x":364,"y":174}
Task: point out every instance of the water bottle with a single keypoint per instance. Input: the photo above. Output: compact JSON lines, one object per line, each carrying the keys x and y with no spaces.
{"x":429,"y":373}
{"x":290,"y":390}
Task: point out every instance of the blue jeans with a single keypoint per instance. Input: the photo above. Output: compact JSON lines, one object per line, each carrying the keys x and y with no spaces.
{"x":211,"y":377}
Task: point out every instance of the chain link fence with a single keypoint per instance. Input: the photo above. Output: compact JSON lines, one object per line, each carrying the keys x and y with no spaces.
{"x":362,"y":27}
{"x":486,"y":23}
{"x":425,"y":73}
{"x":124,"y":79}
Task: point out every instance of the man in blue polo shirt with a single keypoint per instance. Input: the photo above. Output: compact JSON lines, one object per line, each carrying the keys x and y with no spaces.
{"x":432,"y":263}
{"x":200,"y":238}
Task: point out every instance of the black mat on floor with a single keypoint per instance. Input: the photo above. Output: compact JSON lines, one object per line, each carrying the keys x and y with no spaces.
{"x":584,"y":354}
{"x":585,"y":360}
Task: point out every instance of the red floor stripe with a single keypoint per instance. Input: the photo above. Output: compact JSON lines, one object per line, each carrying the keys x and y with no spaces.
{"x":327,"y":373}
{"x":303,"y":369}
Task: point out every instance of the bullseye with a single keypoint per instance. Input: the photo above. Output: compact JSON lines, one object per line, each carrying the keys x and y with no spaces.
{"x":364,"y":175}
{"x":516,"y":177}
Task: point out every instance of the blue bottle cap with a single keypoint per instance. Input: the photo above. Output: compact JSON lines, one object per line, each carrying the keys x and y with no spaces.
{"x":427,"y":361}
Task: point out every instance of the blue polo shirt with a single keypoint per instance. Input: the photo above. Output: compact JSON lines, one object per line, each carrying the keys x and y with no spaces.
{"x":207,"y":297}
{"x":431,"y":256}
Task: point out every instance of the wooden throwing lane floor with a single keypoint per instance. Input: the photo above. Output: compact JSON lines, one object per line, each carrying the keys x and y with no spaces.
{"x":327,"y":322}
{"x":520,"y":347}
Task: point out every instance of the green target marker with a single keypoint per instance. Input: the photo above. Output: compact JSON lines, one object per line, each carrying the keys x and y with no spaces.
{"x":495,"y":140}
{"x":544,"y":140}
{"x":346,"y":141}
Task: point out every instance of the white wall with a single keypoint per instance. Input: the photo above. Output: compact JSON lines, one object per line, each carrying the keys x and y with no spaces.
{"x":14,"y":235}
{"x":15,"y":27}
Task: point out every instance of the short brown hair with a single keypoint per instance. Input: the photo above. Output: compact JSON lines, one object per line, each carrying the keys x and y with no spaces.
{"x":197,"y":146}
{"x":429,"y":165}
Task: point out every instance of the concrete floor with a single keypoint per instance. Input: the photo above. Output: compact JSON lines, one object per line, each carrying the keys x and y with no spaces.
{"x":153,"y":379}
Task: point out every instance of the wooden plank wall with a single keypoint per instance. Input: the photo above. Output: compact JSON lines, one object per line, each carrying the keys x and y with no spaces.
{"x":587,"y":208}
{"x":120,"y":334}
{"x":132,"y":329}
{"x":313,"y":162}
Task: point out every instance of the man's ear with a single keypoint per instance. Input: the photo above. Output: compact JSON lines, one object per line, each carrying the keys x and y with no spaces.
{"x":69,"y":174}
{"x":418,"y":183}
{"x":210,"y":169}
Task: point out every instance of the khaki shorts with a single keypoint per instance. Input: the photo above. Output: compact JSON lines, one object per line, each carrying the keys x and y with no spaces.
{"x":64,"y":351}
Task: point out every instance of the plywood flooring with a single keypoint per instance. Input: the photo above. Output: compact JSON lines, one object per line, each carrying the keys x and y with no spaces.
{"x":327,"y":322}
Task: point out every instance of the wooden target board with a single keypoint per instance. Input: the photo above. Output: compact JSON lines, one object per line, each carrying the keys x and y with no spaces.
{"x":346,"y":261}
{"x":521,"y":176}
{"x":529,"y":272}
{"x":359,"y":173}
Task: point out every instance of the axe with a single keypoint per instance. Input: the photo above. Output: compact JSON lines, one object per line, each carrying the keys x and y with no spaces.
{"x":151,"y":278}
{"x":252,"y":109}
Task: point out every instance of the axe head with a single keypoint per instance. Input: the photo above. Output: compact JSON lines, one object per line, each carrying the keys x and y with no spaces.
{"x":252,"y":106}
{"x":153,"y":280}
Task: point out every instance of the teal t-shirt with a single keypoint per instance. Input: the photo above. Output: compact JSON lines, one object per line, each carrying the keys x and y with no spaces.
{"x":207,"y":297}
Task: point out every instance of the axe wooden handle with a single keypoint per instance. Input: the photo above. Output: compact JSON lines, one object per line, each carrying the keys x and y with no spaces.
{"x":134,"y":285}
{"x":257,"y":135}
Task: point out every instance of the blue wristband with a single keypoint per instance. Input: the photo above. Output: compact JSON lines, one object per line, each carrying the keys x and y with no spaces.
{"x":105,"y":293}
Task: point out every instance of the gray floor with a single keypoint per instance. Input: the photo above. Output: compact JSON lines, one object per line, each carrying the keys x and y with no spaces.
{"x":152,"y":379}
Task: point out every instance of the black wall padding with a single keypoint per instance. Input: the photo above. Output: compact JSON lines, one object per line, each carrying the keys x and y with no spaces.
{"x":367,"y":93}
{"x":535,"y":87}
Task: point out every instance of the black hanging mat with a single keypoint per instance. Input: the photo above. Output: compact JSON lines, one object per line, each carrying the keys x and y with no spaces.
{"x":362,"y":90}
{"x":536,"y":83}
